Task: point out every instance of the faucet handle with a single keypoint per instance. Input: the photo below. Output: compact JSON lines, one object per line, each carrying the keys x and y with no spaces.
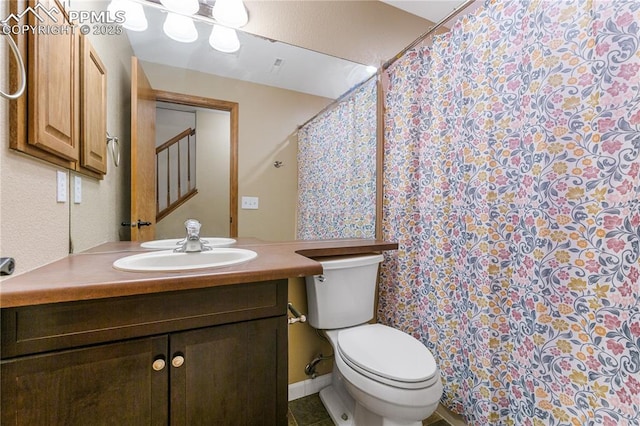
{"x":193,"y":228}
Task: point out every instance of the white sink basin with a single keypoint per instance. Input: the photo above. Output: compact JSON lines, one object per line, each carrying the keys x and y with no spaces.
{"x":170,"y":261}
{"x":173,"y":243}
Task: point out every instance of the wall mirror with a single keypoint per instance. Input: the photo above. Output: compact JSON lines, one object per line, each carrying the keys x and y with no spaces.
{"x":364,"y":32}
{"x":259,"y":60}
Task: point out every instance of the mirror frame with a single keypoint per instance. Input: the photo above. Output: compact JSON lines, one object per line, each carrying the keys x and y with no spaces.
{"x":233,"y":109}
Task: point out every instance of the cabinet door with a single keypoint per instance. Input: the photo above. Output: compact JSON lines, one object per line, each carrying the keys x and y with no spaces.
{"x":93,"y":91}
{"x":113,"y":384}
{"x":53,"y":84}
{"x":231,"y":375}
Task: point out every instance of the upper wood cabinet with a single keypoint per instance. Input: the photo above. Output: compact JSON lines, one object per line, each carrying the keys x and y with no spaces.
{"x":53,"y":80}
{"x":93,"y":107}
{"x":62,"y":118}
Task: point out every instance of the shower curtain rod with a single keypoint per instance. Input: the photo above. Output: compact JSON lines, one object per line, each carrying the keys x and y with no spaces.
{"x":420,"y":39}
{"x":388,"y":63}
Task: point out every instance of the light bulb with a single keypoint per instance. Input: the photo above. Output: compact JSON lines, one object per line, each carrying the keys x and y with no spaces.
{"x":184,"y":7}
{"x":230,"y":13}
{"x":135,"y":20}
{"x":180,"y":28}
{"x":224,"y":39}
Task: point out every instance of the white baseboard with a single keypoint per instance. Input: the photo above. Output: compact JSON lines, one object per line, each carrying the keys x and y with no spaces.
{"x":308,"y":387}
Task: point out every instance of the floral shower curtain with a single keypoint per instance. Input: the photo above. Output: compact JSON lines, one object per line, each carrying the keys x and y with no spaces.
{"x":337,"y":169}
{"x":511,"y":178}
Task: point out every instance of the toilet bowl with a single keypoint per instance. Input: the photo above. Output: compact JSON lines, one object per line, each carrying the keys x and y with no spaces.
{"x":390,"y":378}
{"x":381,"y":376}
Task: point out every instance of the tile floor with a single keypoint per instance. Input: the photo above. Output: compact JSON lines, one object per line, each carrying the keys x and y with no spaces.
{"x":309,"y":411}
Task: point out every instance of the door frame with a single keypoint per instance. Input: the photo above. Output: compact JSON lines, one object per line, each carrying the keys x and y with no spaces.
{"x":233,"y":109}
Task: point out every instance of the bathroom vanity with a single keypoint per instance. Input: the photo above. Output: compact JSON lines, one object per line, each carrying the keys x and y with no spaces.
{"x":83,"y":343}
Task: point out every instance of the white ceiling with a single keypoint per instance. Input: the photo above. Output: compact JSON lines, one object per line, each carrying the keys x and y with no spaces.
{"x":433,"y":10}
{"x":305,"y":70}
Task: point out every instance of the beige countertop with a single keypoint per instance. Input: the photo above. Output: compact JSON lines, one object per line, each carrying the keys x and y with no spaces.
{"x":90,"y":274}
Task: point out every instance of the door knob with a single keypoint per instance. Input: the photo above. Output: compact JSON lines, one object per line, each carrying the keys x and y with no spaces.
{"x":177,"y":361}
{"x":139,"y":224}
{"x":158,"y":364}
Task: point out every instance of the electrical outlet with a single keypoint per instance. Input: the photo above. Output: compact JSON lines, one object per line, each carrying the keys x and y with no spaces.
{"x":77,"y":189}
{"x":250,"y":203}
{"x":61,"y":187}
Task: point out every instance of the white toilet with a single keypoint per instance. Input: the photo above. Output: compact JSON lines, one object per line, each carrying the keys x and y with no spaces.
{"x":381,"y":376}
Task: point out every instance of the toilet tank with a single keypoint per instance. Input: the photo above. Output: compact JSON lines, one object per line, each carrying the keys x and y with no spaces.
{"x":344,"y":295}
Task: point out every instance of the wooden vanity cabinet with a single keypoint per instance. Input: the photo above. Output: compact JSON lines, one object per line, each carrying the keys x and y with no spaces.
{"x":105,"y":384}
{"x":213,"y":356}
{"x":228,"y":376}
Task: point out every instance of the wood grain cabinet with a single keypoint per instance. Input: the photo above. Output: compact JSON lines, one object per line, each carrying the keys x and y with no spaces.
{"x":227,"y":375}
{"x":106,"y":384}
{"x":215,"y":356}
{"x":93,"y":111}
{"x":62,"y":118}
{"x":53,"y":87}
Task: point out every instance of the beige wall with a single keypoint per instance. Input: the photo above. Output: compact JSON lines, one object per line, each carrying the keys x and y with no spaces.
{"x":34,"y":228}
{"x":304,"y":343}
{"x":105,"y":203}
{"x":363,"y":31}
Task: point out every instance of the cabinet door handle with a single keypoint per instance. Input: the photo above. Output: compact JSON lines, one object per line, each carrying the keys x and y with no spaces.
{"x":177,"y":361}
{"x":158,"y":364}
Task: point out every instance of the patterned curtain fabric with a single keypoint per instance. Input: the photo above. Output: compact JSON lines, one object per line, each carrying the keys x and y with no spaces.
{"x":337,"y":169}
{"x":511,"y":178}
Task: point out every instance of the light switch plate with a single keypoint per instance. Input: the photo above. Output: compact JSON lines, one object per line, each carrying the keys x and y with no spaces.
{"x":61,"y":187}
{"x":77,"y":189}
{"x":250,"y":203}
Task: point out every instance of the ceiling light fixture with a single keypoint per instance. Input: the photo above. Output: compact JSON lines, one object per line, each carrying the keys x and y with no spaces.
{"x":230,"y":13}
{"x":180,"y":28}
{"x":183,"y":7}
{"x":135,"y":19}
{"x":224,"y":39}
{"x":179,"y":23}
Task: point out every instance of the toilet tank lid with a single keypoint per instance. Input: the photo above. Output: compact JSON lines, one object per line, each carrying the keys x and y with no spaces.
{"x":340,"y":262}
{"x":387,"y":352}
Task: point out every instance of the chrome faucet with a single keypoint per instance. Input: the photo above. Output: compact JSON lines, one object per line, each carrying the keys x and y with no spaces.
{"x":192,"y":243}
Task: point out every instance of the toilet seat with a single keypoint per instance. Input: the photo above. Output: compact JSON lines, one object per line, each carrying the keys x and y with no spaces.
{"x":388,"y":356}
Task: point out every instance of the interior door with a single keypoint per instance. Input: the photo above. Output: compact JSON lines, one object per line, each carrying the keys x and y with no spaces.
{"x":143,"y":155}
